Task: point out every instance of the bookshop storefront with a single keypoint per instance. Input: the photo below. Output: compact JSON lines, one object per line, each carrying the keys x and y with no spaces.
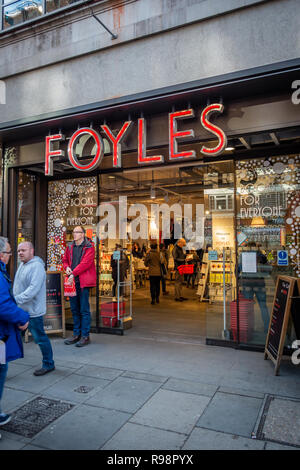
{"x":224,"y":176}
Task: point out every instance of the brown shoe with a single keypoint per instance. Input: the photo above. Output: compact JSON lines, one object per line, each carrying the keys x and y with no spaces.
{"x":72,"y":340}
{"x":83,"y":342}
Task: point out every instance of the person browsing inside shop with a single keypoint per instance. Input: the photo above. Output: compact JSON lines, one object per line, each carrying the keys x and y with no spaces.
{"x":179,"y":259}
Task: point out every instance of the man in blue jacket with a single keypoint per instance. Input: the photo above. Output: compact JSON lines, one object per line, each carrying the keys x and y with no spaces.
{"x":30,"y":294}
{"x":12,"y":320}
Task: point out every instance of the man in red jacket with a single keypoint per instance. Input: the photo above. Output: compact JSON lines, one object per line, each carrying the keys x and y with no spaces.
{"x":79,"y":262}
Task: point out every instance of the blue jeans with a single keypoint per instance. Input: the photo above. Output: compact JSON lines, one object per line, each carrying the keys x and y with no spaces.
{"x":80,"y":309}
{"x":36,"y":328}
{"x":260,"y":293}
{"x":3,"y":373}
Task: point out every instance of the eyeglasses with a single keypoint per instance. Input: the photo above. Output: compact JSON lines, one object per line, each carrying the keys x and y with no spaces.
{"x":7,"y":252}
{"x":78,"y":232}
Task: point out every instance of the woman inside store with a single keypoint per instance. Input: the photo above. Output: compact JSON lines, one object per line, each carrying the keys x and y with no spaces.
{"x":136,"y":251}
{"x":153,"y":262}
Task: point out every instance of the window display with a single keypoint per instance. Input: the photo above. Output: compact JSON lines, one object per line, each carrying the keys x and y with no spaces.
{"x":71,"y":203}
{"x":26,"y":204}
{"x":268,"y":223}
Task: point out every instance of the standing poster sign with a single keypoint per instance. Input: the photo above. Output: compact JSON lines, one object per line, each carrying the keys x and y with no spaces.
{"x":285,"y":286}
{"x":54,"y":320}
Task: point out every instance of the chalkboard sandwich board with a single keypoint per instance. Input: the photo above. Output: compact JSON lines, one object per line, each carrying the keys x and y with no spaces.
{"x":279,"y":319}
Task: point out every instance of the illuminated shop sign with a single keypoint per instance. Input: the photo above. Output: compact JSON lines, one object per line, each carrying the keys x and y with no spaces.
{"x":142,"y":158}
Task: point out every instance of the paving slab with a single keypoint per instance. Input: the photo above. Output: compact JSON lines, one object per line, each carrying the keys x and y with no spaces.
{"x":99,"y":372}
{"x":30,"y":383}
{"x":31,"y":447}
{"x":172,"y":411}
{"x":76,"y":388}
{"x":233,"y":414}
{"x":137,"y":437}
{"x":10,"y":444}
{"x":282,"y":421}
{"x":15,"y":368}
{"x":13,"y":399}
{"x":239,"y":391}
{"x":124,"y":394}
{"x":82,"y":428}
{"x":148,"y":377}
{"x":205,"y":439}
{"x":264,"y":383}
{"x":275,"y":446}
{"x":190,"y":387}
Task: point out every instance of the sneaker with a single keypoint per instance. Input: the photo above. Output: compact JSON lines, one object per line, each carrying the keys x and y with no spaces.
{"x":42,"y":371}
{"x":4,"y":419}
{"x":72,"y":340}
{"x":183,"y":298}
{"x":179,"y":300}
{"x":83,"y":342}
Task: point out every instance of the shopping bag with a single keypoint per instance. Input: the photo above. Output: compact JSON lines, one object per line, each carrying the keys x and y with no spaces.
{"x":69,"y":289}
{"x":186,"y":269}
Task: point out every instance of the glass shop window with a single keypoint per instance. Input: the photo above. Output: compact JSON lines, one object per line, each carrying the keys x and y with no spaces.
{"x":25,"y":208}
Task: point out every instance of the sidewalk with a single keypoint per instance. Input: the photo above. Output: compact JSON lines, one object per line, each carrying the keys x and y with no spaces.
{"x":128,"y":392}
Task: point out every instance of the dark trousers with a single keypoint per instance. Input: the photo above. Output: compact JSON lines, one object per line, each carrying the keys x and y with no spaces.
{"x":191,"y":277}
{"x":80,"y":309}
{"x":154,"y":287}
{"x":36,"y":328}
{"x":3,"y":373}
{"x":115,"y":288}
{"x":163,"y":284}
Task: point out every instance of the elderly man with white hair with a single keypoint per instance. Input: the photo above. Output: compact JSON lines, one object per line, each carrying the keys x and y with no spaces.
{"x":30,"y":294}
{"x":12,"y":320}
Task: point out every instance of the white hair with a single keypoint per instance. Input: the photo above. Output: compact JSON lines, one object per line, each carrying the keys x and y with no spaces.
{"x":3,"y":242}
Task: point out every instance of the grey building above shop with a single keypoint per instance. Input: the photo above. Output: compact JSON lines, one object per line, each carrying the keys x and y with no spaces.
{"x":66,"y":58}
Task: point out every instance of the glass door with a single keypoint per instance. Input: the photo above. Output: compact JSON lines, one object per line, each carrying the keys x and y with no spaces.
{"x":217,"y":283}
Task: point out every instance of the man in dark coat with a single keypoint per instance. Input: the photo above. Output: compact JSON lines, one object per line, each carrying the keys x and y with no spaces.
{"x":179,"y":259}
{"x":12,"y":320}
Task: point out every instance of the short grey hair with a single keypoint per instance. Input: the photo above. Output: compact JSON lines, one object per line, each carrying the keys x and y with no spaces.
{"x":3,"y":242}
{"x":28,"y":243}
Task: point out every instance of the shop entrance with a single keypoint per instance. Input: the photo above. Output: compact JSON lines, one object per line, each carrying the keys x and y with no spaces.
{"x":155,"y":208}
{"x":131,"y":211}
{"x":239,"y":238}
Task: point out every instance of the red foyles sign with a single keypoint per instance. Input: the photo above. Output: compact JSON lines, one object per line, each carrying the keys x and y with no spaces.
{"x":174,"y":135}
